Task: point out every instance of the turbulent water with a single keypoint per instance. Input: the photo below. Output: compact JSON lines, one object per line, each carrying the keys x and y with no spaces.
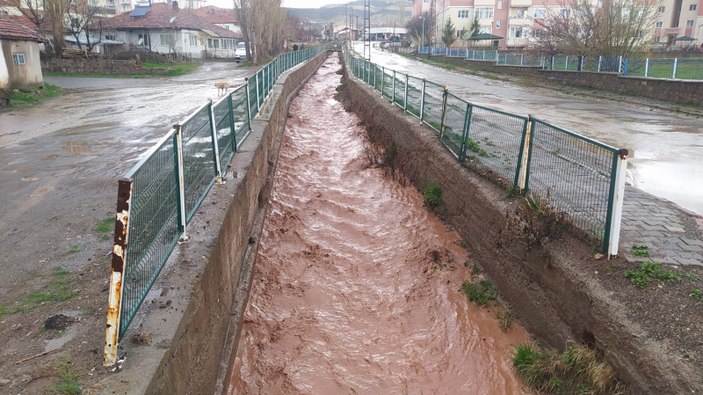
{"x":357,"y":286}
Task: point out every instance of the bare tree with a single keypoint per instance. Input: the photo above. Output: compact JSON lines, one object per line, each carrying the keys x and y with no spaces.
{"x":31,"y":9}
{"x":82,"y":16}
{"x":618,"y":28}
{"x":55,"y":11}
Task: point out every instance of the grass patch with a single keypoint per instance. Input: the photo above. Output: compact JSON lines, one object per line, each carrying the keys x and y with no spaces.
{"x":106,"y":225}
{"x":432,"y":195}
{"x":479,"y":293}
{"x":695,"y":294}
{"x":73,"y":249}
{"x":513,"y":191}
{"x":649,"y":272}
{"x":28,"y":98}
{"x":505,"y":320}
{"x":640,"y":250}
{"x":474,"y":147}
{"x":576,"y":370}
{"x":60,"y":290}
{"x":691,"y":277}
{"x":69,"y":380}
{"x":172,"y":69}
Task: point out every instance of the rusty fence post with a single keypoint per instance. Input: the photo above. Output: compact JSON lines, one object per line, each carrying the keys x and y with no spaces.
{"x":119,"y":258}
{"x":215,"y":143}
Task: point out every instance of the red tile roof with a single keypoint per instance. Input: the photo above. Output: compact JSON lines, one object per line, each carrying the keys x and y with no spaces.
{"x":12,"y":28}
{"x":164,"y":16}
{"x":217,"y":15}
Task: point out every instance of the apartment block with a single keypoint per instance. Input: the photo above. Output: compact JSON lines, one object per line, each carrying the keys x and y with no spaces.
{"x":679,"y":22}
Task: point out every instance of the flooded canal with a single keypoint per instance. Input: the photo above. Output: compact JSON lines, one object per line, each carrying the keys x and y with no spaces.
{"x":357,"y":285}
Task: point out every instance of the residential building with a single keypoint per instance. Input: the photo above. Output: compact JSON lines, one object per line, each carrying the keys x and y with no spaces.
{"x":167,"y":29}
{"x":20,"y":65}
{"x":679,"y":22}
{"x":222,"y":17}
{"x":128,"y":5}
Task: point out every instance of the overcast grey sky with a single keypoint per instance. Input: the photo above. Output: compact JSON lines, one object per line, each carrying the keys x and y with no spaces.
{"x":286,"y":3}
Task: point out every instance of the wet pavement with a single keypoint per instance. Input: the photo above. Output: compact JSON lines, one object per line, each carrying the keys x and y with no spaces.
{"x":59,"y":162}
{"x":664,"y":197}
{"x":357,"y":285}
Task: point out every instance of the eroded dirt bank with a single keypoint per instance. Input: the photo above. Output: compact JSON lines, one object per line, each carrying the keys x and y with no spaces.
{"x":356,"y":288}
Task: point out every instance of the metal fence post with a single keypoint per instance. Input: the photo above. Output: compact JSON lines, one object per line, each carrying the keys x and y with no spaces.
{"x":620,"y":64}
{"x":676,"y":63}
{"x":465,"y":132}
{"x":646,"y":67}
{"x":522,"y":59}
{"x":522,"y":178}
{"x":256,"y":88}
{"x":615,"y":202}
{"x":230,"y":108}
{"x":383,"y":78}
{"x":393,"y":87}
{"x":180,"y":180}
{"x":600,"y":60}
{"x":246,"y":80}
{"x":215,"y":145}
{"x":444,"y":111}
{"x":566,"y":63}
{"x":405,"y":102}
{"x":422,"y":102}
{"x":119,"y":258}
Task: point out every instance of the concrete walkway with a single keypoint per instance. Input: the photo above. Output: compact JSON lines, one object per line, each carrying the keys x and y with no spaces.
{"x":672,"y":234}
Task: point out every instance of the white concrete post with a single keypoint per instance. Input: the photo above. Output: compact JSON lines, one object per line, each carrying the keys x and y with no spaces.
{"x":618,"y":200}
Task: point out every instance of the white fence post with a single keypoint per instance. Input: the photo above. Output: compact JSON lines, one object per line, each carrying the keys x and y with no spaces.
{"x":600,"y":59}
{"x":676,"y":63}
{"x":616,"y":215}
{"x":646,"y":67}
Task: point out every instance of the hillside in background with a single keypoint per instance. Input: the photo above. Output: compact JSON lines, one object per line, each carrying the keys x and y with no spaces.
{"x":383,"y":12}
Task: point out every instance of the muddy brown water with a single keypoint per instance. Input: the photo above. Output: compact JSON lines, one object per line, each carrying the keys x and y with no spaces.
{"x":357,"y":285}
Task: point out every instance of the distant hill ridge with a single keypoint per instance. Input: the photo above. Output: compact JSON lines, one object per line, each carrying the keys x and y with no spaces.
{"x":382,"y":12}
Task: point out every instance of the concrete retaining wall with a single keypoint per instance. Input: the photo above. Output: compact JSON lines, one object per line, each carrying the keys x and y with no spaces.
{"x":548,"y":281}
{"x":675,"y":91}
{"x":187,"y":330}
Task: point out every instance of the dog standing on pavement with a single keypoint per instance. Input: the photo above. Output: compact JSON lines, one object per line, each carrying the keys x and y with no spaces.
{"x":222,"y":88}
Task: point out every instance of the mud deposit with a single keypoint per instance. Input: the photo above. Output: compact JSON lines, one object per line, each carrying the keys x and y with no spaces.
{"x":357,"y":286}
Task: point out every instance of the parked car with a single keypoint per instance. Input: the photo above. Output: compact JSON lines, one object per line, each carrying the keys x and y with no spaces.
{"x":240,"y":52}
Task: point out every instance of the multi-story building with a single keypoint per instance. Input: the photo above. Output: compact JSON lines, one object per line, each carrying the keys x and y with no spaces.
{"x":128,"y":5}
{"x":679,"y":22}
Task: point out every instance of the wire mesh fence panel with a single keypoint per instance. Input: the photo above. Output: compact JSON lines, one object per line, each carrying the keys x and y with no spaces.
{"x":239,"y":115}
{"x":519,"y":59}
{"x":153,"y":225}
{"x":253,"y":101}
{"x":432,"y":112}
{"x":590,"y":63}
{"x":399,"y":91}
{"x":454,"y":119}
{"x":414,"y":96}
{"x":456,"y":52}
{"x":387,"y":84}
{"x":563,"y":63}
{"x":260,"y":89}
{"x":635,"y":67}
{"x":482,"y":55}
{"x":572,"y":174}
{"x":223,"y":128}
{"x":494,"y":141}
{"x":689,"y":69}
{"x":198,"y":165}
{"x":377,"y":77}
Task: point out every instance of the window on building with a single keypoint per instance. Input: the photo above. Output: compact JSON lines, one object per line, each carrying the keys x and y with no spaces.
{"x":18,"y":58}
{"x":539,"y":13}
{"x":499,"y":4}
{"x":3,"y":12}
{"x":689,"y":23}
{"x":110,"y":37}
{"x":463,"y":14}
{"x":485,"y":30}
{"x":692,"y":7}
{"x":659,"y":24}
{"x":520,"y":13}
{"x":166,"y":39}
{"x":143,"y":39}
{"x":537,"y":33}
{"x":209,"y":43}
{"x":661,"y":8}
{"x":517,"y":32}
{"x":484,"y":12}
{"x":193,"y":40}
{"x":498,"y":24}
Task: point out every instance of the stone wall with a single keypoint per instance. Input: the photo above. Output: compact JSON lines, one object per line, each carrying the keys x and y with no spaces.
{"x":683,"y":92}
{"x":92,"y":66}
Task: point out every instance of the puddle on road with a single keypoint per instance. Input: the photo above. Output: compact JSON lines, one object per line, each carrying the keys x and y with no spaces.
{"x":76,"y":147}
{"x":356,"y":288}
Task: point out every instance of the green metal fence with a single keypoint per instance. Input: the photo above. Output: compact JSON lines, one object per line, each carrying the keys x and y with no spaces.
{"x":573,"y":174}
{"x":162,"y":193}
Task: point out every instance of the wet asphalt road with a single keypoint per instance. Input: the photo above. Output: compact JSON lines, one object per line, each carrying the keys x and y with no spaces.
{"x":59,"y":162}
{"x":666,"y":147}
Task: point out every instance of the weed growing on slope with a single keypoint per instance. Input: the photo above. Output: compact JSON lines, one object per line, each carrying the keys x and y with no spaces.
{"x":651,"y":271}
{"x":640,"y":250}
{"x":479,"y":293}
{"x":432,"y":195}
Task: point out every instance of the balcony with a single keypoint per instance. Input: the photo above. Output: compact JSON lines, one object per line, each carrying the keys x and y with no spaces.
{"x":520,"y":3}
{"x":484,"y":3}
{"x":524,"y":21}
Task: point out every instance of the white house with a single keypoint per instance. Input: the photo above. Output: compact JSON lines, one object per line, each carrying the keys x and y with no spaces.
{"x":19,"y":55}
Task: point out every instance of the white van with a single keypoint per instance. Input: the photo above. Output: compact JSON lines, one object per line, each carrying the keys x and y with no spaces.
{"x":240,"y":52}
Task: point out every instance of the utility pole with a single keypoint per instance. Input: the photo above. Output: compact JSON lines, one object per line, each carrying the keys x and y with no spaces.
{"x":367,"y":30}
